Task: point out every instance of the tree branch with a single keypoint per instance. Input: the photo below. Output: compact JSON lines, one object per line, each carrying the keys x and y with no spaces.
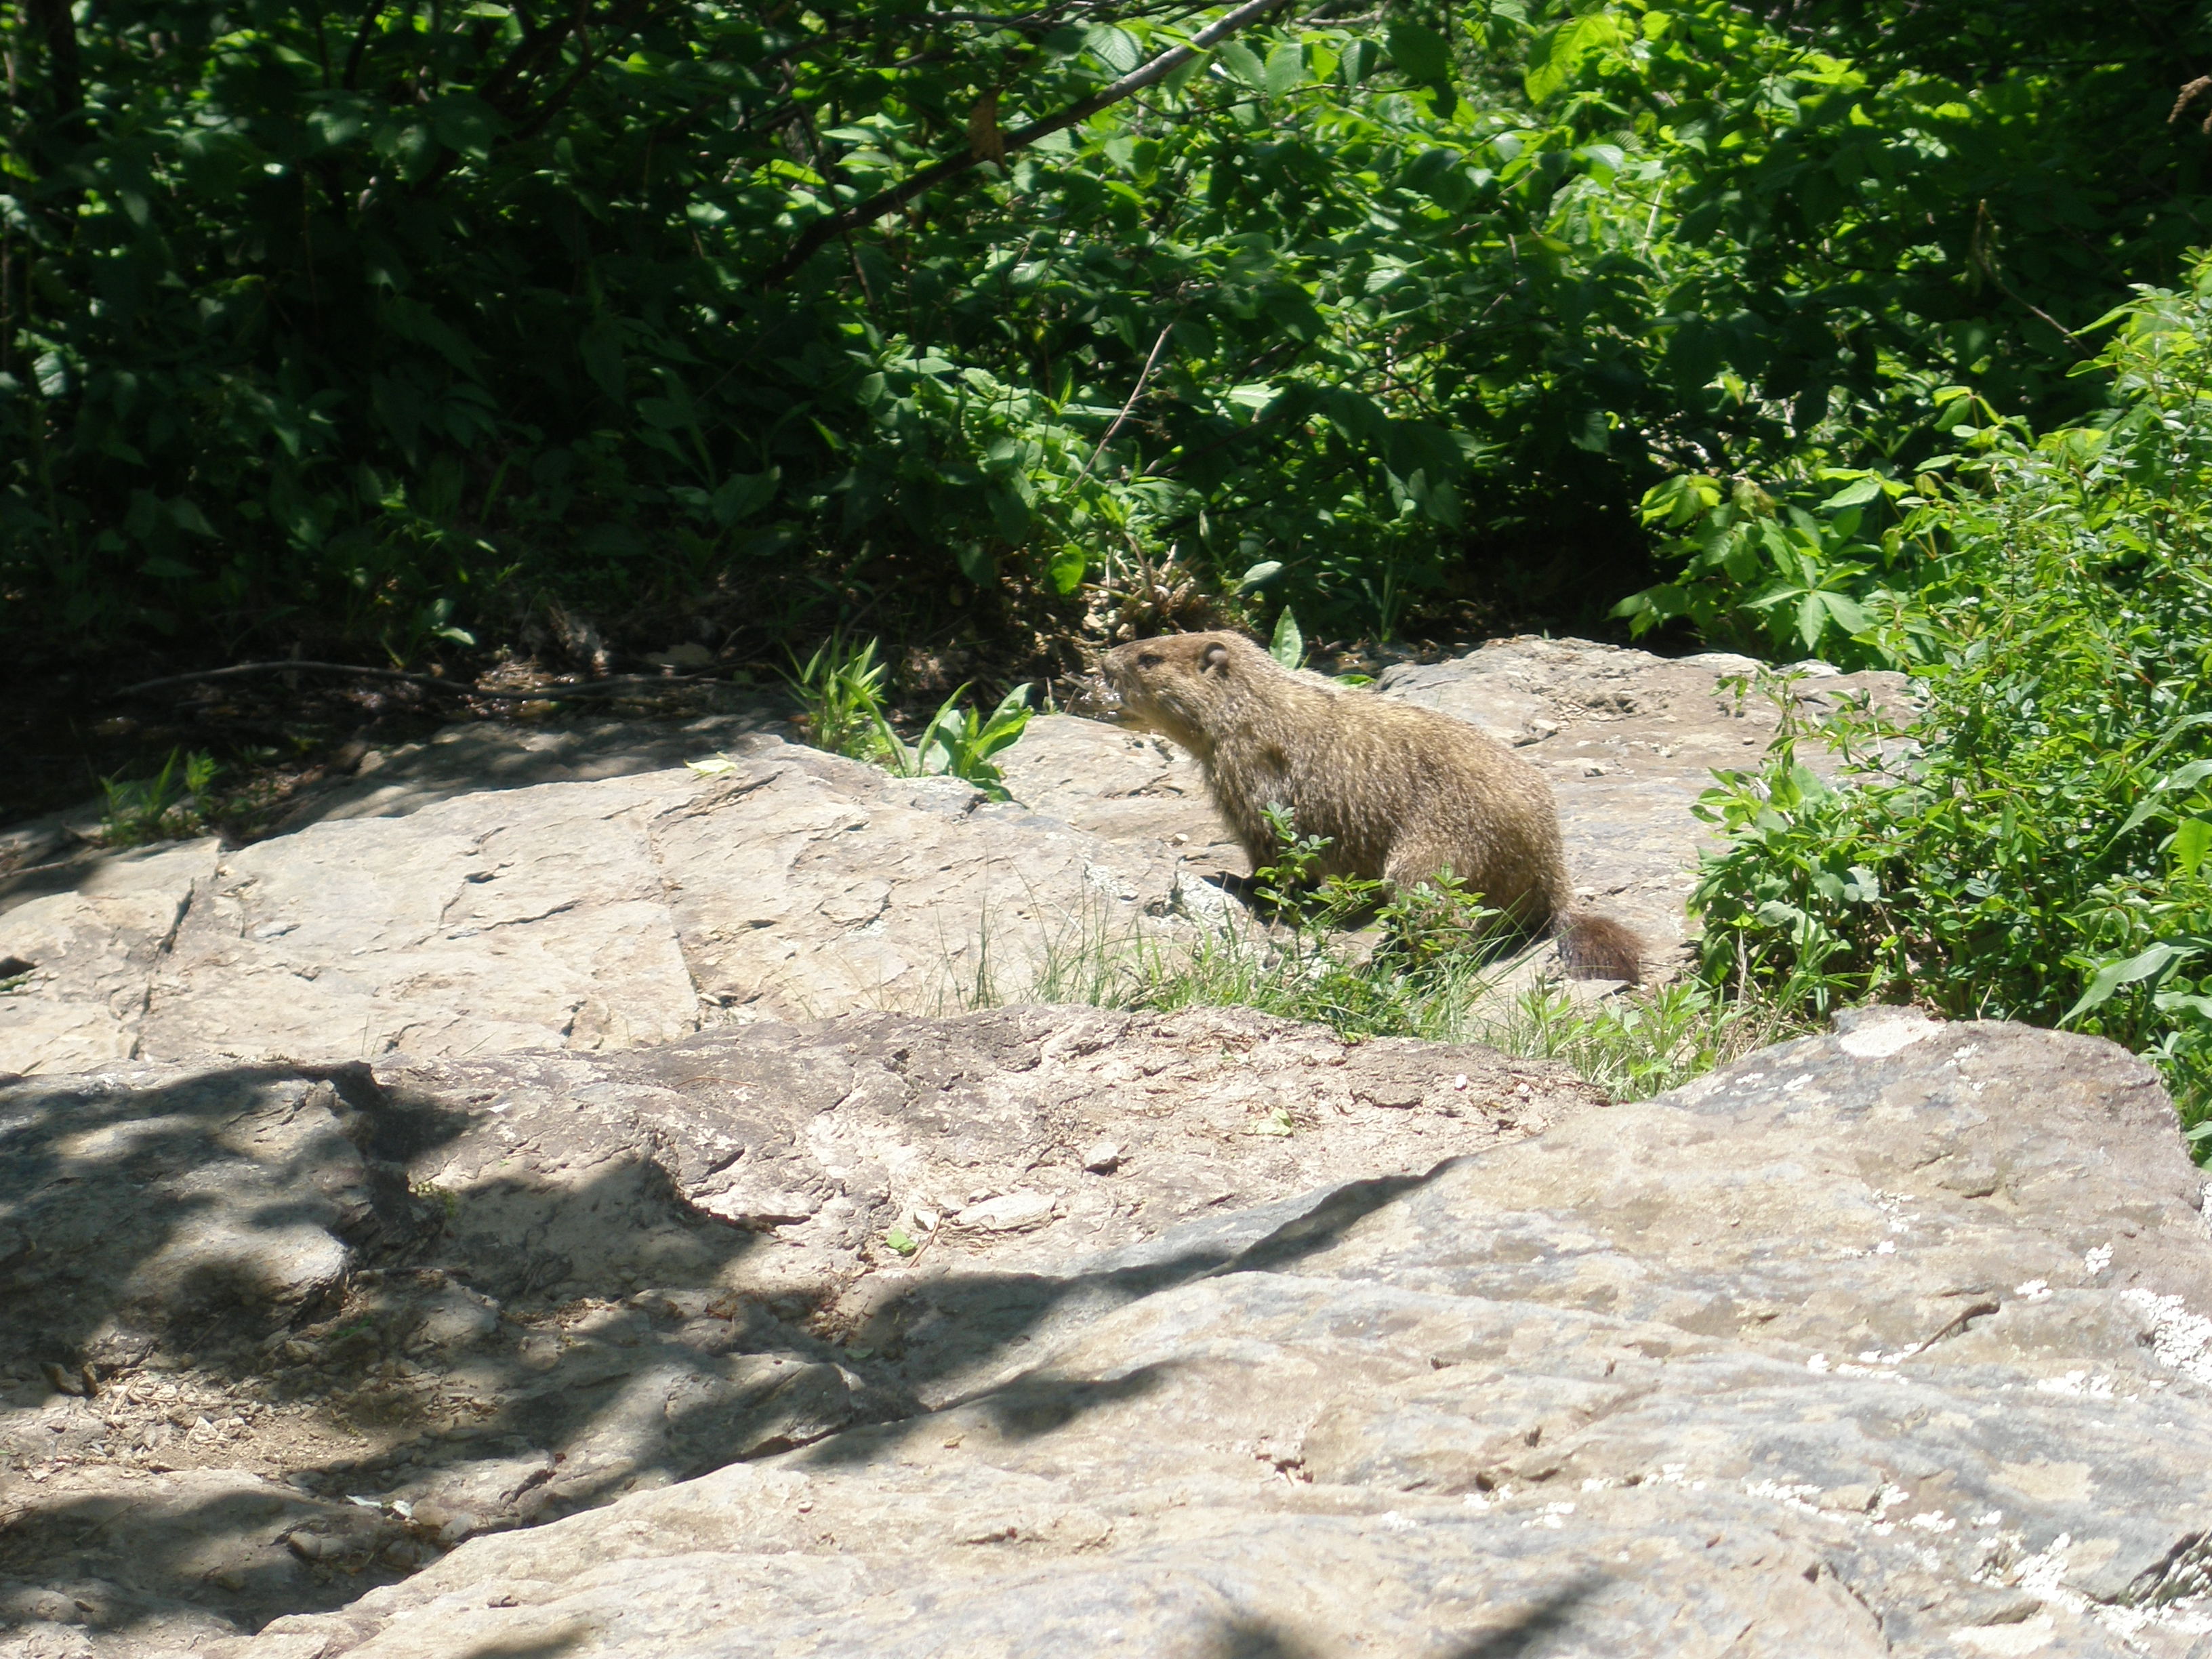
{"x":371,"y":11}
{"x":1151,"y":363}
{"x":550,"y":693}
{"x":52,"y":19}
{"x":832,"y":226}
{"x":538,"y":40}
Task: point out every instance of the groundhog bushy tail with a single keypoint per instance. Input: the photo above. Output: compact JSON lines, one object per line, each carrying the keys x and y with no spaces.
{"x":1598,"y":947}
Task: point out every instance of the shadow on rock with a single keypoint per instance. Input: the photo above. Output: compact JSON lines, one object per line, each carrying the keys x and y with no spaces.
{"x":205,"y":1210}
{"x":1256,"y":1638}
{"x":530,"y":1647}
{"x":918,"y":1337}
{"x":279,"y":1335}
{"x":1529,"y":1634}
{"x":235,"y":1380}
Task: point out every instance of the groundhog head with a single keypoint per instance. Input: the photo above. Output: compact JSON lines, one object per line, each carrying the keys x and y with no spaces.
{"x":1182,"y":686}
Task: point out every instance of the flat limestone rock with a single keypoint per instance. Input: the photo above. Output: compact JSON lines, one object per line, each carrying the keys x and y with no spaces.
{"x":1129,"y":787}
{"x":1890,"y":1341}
{"x":607,"y":913}
{"x":287,"y":1332}
{"x":469,"y":758}
{"x":505,"y":887}
{"x":87,"y":953}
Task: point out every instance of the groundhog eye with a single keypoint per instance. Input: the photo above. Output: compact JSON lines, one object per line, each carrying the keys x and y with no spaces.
{"x":1149,"y":660}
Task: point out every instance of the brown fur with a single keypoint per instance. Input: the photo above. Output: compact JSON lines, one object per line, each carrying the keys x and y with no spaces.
{"x":1402,"y":793}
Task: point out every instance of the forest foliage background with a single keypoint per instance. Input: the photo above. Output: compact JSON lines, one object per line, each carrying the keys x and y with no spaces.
{"x":368,"y":326}
{"x":1867,"y":329}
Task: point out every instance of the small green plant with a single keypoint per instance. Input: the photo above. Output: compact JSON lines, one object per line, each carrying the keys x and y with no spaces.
{"x":1419,"y":961}
{"x":1292,"y":887}
{"x":1441,"y":923}
{"x":958,"y":742}
{"x":164,"y":807}
{"x":1643,"y":1044}
{"x":444,"y":1200}
{"x":842,"y":688}
{"x":406,"y":638}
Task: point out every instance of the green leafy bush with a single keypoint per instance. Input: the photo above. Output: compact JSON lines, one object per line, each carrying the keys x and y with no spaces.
{"x":2038,"y":850}
{"x":384,"y":326}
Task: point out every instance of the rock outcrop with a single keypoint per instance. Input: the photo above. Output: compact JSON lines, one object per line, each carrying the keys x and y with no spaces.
{"x":1887,"y":1341}
{"x":545,"y":1202}
{"x":622,"y":911}
{"x":276,"y":1335}
{"x":507,"y":888}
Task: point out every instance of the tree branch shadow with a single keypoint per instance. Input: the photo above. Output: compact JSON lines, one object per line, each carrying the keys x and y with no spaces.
{"x":137,"y":1228}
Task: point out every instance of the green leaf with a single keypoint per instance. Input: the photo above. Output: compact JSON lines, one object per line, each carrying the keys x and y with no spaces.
{"x":601,"y":347}
{"x":1812,"y":619}
{"x":1241,"y":61}
{"x":1067,"y":569}
{"x":1288,"y":647}
{"x":464,"y":124}
{"x":1259,"y":575}
{"x":1420,"y":53}
{"x":976,"y":563}
{"x":741,"y":495}
{"x":2191,"y":843}
{"x":2113,"y":975}
{"x":1116,"y":48}
{"x":1286,"y":68}
{"x":1007,"y":723}
{"x":1009,"y":512}
{"x":1857,"y":493}
{"x":1556,"y":54}
{"x":188,"y":517}
{"x":1850,"y":615}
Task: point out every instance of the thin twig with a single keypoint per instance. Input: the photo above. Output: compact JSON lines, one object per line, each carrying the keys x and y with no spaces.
{"x":1978,"y":245}
{"x":452,"y":688}
{"x":1151,"y":363}
{"x":831,"y":226}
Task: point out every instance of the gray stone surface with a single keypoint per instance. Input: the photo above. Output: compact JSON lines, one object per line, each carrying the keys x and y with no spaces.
{"x":88,"y":953}
{"x":468,"y":759}
{"x":630,"y":909}
{"x":275,"y":1335}
{"x":504,"y":886}
{"x":1889,"y":1341}
{"x":1129,"y":787}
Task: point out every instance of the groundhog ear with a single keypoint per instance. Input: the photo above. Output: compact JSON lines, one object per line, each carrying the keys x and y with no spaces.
{"x":1217,"y":659}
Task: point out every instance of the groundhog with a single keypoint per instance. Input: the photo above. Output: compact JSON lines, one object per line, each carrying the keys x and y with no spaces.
{"x":1402,"y":793}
